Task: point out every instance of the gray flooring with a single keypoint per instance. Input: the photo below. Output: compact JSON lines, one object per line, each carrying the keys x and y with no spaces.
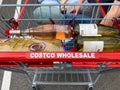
{"x":110,"y":81}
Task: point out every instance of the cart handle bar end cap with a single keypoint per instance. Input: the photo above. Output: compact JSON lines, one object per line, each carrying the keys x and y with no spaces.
{"x":14,"y":23}
{"x":7,"y":32}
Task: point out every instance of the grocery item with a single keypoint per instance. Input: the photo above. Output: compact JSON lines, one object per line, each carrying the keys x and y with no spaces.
{"x":95,"y":30}
{"x":97,"y":44}
{"x":47,"y":31}
{"x":30,"y":45}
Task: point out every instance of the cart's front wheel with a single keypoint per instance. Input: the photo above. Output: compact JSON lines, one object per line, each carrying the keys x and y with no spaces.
{"x":90,"y":88}
{"x":34,"y":88}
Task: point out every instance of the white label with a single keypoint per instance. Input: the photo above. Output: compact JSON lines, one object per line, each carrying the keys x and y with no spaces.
{"x":14,"y":31}
{"x":88,"y":30}
{"x":93,"y":46}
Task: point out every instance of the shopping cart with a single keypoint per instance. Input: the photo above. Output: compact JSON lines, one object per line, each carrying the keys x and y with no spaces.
{"x":51,"y":69}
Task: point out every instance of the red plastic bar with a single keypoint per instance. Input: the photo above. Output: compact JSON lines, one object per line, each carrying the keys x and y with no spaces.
{"x":29,"y":64}
{"x":22,"y":11}
{"x":95,"y":65}
{"x":102,"y":8}
{"x":59,"y":56}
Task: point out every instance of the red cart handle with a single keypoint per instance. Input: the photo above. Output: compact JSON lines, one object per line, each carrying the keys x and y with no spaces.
{"x":115,"y":21}
{"x":102,"y":8}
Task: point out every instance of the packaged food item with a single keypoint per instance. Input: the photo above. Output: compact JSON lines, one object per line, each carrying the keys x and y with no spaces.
{"x":30,"y":45}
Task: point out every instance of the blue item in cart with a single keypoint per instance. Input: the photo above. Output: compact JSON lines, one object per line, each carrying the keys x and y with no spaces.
{"x":68,"y":44}
{"x":78,"y":19}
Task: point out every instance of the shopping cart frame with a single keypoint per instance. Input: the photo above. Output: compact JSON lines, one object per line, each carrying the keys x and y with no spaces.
{"x":21,"y":62}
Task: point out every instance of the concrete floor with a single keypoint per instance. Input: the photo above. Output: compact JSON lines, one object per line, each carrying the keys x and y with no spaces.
{"x":108,"y":81}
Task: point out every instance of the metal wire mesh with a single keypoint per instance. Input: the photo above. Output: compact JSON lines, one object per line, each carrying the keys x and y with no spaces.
{"x":29,"y":19}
